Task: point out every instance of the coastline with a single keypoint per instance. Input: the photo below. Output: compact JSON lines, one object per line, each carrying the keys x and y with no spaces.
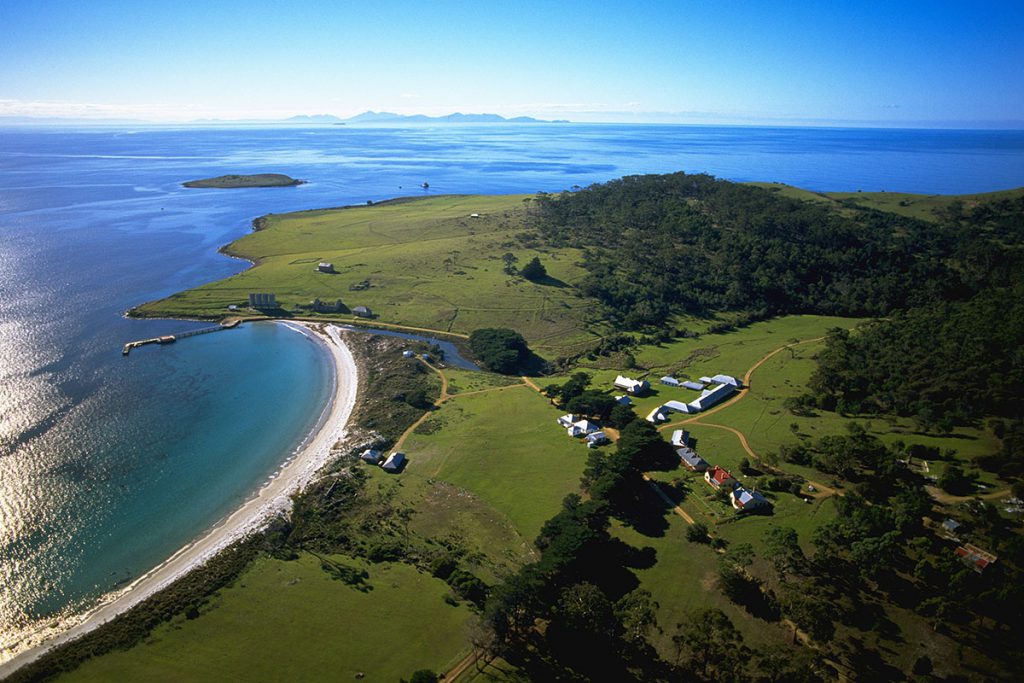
{"x":272,"y":498}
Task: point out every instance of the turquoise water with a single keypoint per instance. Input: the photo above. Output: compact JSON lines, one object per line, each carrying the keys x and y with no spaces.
{"x":108,"y":465}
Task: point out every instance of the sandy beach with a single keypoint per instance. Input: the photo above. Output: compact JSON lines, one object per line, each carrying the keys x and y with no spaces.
{"x":270,"y":500}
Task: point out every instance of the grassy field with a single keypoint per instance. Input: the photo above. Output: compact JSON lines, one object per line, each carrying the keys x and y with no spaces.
{"x":290,"y":621}
{"x":925,"y":207}
{"x":423,"y":263}
{"x":505,"y":448}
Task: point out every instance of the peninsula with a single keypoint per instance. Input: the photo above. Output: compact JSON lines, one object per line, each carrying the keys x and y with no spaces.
{"x":236,"y":181}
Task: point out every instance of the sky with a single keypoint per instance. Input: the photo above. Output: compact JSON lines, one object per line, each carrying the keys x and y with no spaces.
{"x":901,"y":64}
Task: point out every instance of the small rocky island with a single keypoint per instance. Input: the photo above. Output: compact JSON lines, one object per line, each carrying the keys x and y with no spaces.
{"x":257,"y":180}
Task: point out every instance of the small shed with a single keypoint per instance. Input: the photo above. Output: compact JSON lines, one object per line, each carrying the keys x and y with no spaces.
{"x":362,"y":312}
{"x":372,"y":456}
{"x":325,"y":267}
{"x":596,"y":439}
{"x":669,"y":381}
{"x":408,"y":354}
{"x":394,"y":462}
{"x":624,"y":400}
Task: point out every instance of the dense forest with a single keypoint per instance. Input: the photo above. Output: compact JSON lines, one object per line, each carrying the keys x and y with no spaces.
{"x":662,"y":244}
{"x":947,"y":363}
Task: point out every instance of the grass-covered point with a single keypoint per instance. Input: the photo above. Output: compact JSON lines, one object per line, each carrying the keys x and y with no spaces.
{"x":236,"y":181}
{"x":434,"y":263}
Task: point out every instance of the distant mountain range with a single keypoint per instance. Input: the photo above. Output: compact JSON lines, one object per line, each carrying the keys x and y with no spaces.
{"x":315,"y":119}
{"x":389,"y":117}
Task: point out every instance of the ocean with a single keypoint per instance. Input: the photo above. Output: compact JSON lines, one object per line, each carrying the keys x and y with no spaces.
{"x":110,"y":464}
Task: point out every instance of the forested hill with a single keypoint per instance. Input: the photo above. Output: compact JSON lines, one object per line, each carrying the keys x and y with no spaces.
{"x":661,"y":244}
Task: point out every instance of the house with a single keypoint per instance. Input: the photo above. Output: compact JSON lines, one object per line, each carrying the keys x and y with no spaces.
{"x":950,"y":526}
{"x":744,"y":500}
{"x":394,"y":462}
{"x":624,"y":400}
{"x":696,"y":386}
{"x":719,"y":477}
{"x":691,"y":460}
{"x":567,"y":420}
{"x":362,"y":312}
{"x":726,"y":379}
{"x":631,"y":386}
{"x":680,"y":437}
{"x":974,"y":557}
{"x":596,"y":439}
{"x":584,"y":427}
{"x":325,"y":267}
{"x":710,"y":397}
{"x":372,"y":456}
{"x":669,"y":381}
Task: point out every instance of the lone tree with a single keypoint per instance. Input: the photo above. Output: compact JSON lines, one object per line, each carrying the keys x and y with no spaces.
{"x":509,"y":259}
{"x":534,"y":270}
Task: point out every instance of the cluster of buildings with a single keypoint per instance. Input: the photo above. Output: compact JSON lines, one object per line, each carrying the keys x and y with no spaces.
{"x":713,"y":390}
{"x":718,"y":478}
{"x":392,"y":463}
{"x":590,"y":431}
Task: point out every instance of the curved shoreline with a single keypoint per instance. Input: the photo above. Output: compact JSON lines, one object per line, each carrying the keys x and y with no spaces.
{"x":272,"y":498}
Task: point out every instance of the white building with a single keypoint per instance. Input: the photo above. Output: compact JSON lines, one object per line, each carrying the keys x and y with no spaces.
{"x":567,"y":420}
{"x":726,"y":379}
{"x":669,"y":381}
{"x":596,"y":439}
{"x":631,"y":386}
{"x":744,"y":500}
{"x":710,"y":397}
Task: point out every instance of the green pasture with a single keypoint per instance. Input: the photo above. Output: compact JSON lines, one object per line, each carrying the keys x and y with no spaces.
{"x":291,"y":621}
{"x":423,"y":263}
{"x":505,"y":448}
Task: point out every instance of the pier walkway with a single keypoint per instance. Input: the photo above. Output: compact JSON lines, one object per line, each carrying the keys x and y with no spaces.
{"x":171,"y":338}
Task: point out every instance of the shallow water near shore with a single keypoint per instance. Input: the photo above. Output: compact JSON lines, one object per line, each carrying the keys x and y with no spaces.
{"x":110,"y":464}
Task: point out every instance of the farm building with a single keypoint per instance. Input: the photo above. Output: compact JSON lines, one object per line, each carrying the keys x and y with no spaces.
{"x":262,"y":300}
{"x":974,"y":557}
{"x":325,"y":267}
{"x":362,"y":312}
{"x":394,"y":462}
{"x":596,"y":439}
{"x":726,"y":379}
{"x":744,"y":500}
{"x":719,"y":477}
{"x":680,"y":437}
{"x":669,"y":381}
{"x":372,"y":456}
{"x":691,"y":460}
{"x":582,"y":428}
{"x":624,"y":400}
{"x":696,"y":386}
{"x":567,"y":420}
{"x":710,"y":397}
{"x":408,"y":354}
{"x":657,"y":415}
{"x":631,"y":386}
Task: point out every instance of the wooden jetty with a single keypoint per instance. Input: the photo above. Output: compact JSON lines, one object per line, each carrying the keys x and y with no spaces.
{"x":171,"y":338}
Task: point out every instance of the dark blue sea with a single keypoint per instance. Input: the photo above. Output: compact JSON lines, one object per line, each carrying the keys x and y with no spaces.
{"x":110,"y":464}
